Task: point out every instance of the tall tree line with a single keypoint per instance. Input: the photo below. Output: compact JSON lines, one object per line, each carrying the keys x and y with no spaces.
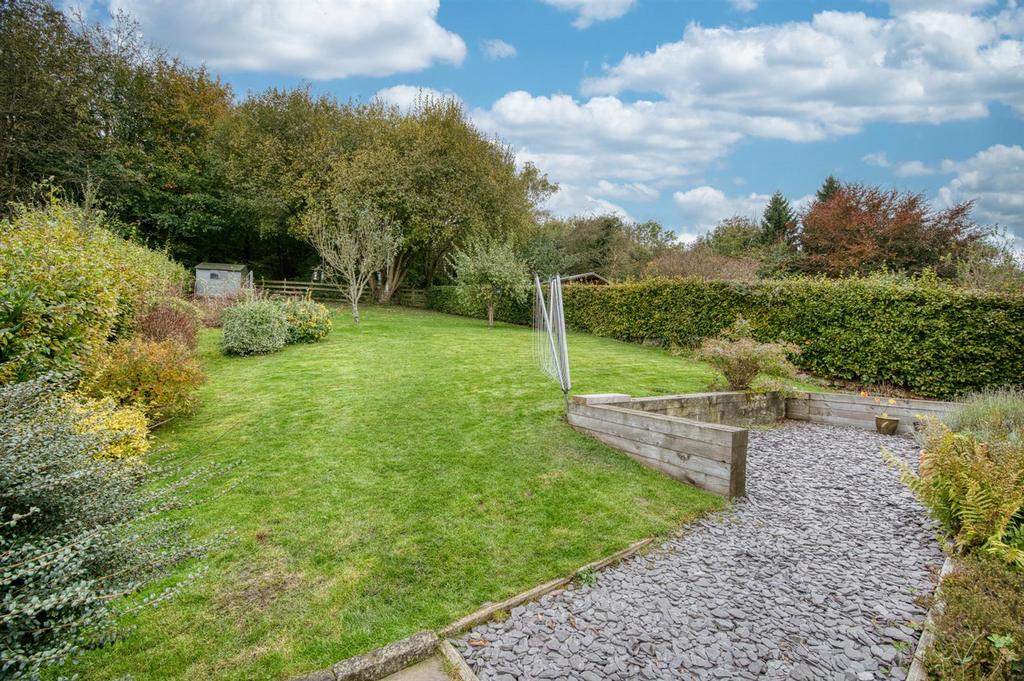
{"x":177,"y":163}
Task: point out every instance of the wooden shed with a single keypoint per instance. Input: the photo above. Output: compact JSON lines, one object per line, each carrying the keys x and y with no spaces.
{"x":215,"y":279}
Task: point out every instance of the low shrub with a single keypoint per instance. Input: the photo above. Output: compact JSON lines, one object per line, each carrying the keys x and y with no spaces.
{"x":996,"y":414}
{"x":69,"y":286}
{"x":308,"y":321}
{"x":78,"y":532}
{"x":123,"y":430}
{"x":254,"y":327}
{"x":160,"y":378}
{"x":741,"y":359}
{"x":171,"y":318}
{"x":979,"y":633}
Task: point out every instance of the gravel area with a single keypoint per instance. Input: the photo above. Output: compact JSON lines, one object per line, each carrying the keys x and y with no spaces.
{"x":813,"y":576}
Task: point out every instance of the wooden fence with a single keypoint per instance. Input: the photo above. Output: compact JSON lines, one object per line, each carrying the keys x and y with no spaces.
{"x":319,"y":290}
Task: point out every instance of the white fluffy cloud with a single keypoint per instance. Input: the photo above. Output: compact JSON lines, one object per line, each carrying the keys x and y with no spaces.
{"x":591,"y":11}
{"x":701,"y":208}
{"x":321,"y":40}
{"x":634,"y":191}
{"x":798,"y":81}
{"x":833,"y":74}
{"x":406,"y":96}
{"x":498,"y":49}
{"x":743,"y":5}
{"x":994,"y":179}
{"x":606,"y":138}
{"x":901,"y":169}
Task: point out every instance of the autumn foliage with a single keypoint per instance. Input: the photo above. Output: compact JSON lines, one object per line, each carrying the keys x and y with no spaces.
{"x":861,"y":229}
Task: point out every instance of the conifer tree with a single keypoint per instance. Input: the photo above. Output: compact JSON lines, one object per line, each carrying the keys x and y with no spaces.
{"x":828,"y":188}
{"x":778,"y":221}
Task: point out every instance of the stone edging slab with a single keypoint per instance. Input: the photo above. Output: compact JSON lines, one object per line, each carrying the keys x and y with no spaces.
{"x":378,"y":663}
{"x":917,"y":671}
{"x":457,"y":667}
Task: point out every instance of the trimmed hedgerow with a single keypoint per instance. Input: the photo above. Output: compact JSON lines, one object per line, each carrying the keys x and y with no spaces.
{"x":449,"y":299}
{"x":928,"y":337}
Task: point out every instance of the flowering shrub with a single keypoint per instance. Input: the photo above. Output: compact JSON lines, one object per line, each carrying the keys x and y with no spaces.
{"x":741,"y":359}
{"x":160,"y":378}
{"x":308,"y":321}
{"x":122,"y":430}
{"x":78,"y":532}
{"x":170,"y":318}
{"x":255,"y":327}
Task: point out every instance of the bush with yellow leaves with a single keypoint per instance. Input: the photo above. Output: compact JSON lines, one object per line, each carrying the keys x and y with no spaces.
{"x":122,"y":429}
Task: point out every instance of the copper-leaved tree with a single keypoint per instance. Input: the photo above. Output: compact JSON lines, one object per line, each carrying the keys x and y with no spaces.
{"x":353,"y":243}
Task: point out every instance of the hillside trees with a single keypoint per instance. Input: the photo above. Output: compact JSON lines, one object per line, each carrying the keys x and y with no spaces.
{"x":607,"y":244}
{"x":98,"y":112}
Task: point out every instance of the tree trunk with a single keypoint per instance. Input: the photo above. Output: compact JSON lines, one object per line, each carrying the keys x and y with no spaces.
{"x":490,"y":314}
{"x":393,"y":276}
{"x":355,"y":311}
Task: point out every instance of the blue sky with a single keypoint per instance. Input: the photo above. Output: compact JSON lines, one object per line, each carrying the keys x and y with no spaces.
{"x":684,"y":112}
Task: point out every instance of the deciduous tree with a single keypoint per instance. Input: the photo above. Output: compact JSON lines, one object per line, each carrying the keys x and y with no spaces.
{"x":488,"y":271}
{"x":863,"y":229}
{"x":354,"y":243}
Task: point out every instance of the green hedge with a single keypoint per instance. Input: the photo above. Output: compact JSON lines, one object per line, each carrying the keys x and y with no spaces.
{"x":447,"y":299}
{"x":930,"y":338}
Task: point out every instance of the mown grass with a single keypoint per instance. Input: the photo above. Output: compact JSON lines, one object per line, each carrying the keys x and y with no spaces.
{"x":392,"y":478}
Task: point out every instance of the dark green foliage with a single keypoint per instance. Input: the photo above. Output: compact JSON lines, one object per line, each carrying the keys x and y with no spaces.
{"x":778,"y":222}
{"x":607,"y":244}
{"x":828,"y":188}
{"x":76,"y":532}
{"x":932,"y":339}
{"x":254,"y":327}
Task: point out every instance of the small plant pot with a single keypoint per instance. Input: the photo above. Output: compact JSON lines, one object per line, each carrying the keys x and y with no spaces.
{"x":886,"y":425}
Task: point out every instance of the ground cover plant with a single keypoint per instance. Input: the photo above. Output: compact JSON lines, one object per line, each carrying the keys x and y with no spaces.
{"x":395,"y":476}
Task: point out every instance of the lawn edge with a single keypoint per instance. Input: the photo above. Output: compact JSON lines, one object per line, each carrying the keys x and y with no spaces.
{"x":397,"y":655}
{"x":488,"y":611}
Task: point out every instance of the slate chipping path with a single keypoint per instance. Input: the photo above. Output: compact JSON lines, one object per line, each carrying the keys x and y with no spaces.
{"x":813,"y":576}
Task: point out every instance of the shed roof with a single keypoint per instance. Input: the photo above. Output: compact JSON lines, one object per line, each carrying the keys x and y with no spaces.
{"x":220,"y":266}
{"x":586,"y":277}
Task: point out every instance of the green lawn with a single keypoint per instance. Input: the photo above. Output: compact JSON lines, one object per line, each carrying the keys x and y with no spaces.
{"x":392,"y":478}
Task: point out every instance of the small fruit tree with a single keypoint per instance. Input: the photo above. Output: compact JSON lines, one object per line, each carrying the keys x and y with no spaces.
{"x":490,"y":271}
